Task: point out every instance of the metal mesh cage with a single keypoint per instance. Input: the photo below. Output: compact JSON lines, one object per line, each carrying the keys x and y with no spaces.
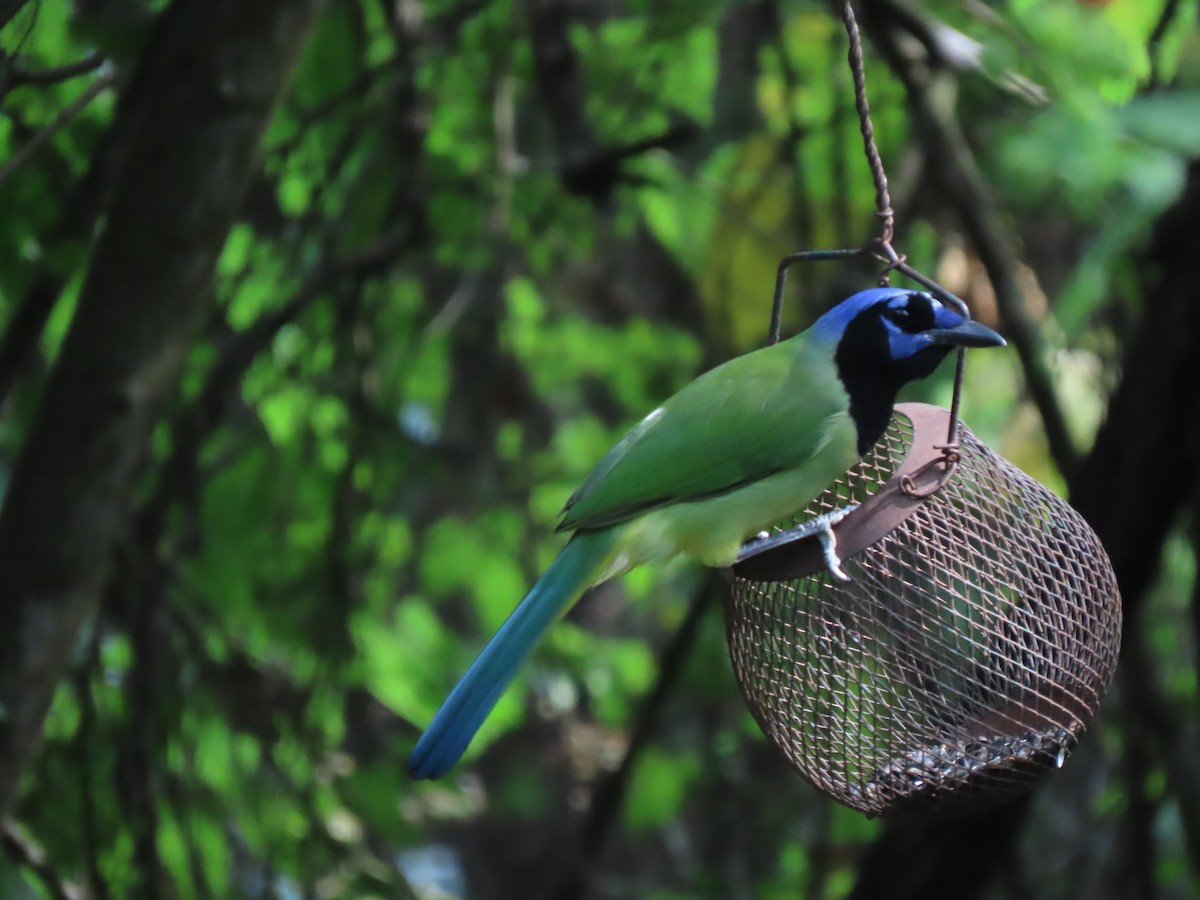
{"x":963,"y":660}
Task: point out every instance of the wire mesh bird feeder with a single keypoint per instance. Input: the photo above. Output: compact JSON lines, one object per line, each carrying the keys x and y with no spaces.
{"x":979,"y":630}
{"x":965,"y":657}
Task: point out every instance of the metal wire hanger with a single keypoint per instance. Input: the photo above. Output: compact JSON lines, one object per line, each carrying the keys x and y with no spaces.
{"x":880,"y":247}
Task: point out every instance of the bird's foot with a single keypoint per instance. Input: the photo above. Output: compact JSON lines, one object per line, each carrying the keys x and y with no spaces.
{"x":820,"y":527}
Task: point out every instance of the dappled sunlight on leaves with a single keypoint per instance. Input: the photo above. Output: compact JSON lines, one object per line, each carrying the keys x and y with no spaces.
{"x":454,"y":282}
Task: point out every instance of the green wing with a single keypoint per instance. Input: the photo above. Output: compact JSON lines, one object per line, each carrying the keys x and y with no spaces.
{"x":741,"y":422}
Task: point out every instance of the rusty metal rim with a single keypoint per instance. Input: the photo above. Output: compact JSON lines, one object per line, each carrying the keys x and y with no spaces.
{"x":923,"y":472}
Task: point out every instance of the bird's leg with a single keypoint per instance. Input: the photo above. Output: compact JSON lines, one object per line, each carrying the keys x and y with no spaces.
{"x":821,"y":527}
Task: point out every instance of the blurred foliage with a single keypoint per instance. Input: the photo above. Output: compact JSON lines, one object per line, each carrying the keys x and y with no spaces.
{"x":326,"y":556}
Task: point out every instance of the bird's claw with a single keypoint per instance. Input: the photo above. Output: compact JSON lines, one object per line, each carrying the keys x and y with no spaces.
{"x":829,"y":541}
{"x":829,"y":554}
{"x":820,"y":527}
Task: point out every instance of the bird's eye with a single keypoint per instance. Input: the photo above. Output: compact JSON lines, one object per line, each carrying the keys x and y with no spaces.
{"x":898,"y":314}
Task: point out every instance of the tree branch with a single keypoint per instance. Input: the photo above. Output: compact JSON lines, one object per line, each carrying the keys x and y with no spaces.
{"x":76,"y":222}
{"x":212,"y":71}
{"x":24,"y":852}
{"x":1153,"y":715}
{"x":9,"y":10}
{"x":952,"y":858}
{"x":84,"y":741}
{"x":55,"y":75}
{"x":1146,"y":448}
{"x":1154,"y":43}
{"x":1150,"y":438}
{"x":585,"y":168}
{"x":76,"y":106}
{"x":806,"y":227}
{"x":610,"y":793}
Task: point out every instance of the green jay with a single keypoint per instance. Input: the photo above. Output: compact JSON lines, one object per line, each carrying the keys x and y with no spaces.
{"x":743,"y":447}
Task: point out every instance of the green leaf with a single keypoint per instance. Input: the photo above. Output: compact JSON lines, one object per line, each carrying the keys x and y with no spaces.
{"x":661,"y":784}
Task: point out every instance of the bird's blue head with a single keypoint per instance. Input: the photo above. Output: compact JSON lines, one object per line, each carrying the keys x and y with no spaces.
{"x":887,"y":337}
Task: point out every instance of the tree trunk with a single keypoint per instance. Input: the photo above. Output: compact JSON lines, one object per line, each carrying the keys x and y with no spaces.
{"x":1132,"y":491}
{"x":204,"y":90}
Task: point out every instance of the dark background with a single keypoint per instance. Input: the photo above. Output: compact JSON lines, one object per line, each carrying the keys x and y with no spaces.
{"x":314,"y":314}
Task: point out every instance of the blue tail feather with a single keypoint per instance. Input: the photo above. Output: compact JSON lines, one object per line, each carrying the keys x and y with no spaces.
{"x":451,"y":731}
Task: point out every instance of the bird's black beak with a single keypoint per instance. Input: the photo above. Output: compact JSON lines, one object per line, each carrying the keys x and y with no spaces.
{"x":967,"y":333}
